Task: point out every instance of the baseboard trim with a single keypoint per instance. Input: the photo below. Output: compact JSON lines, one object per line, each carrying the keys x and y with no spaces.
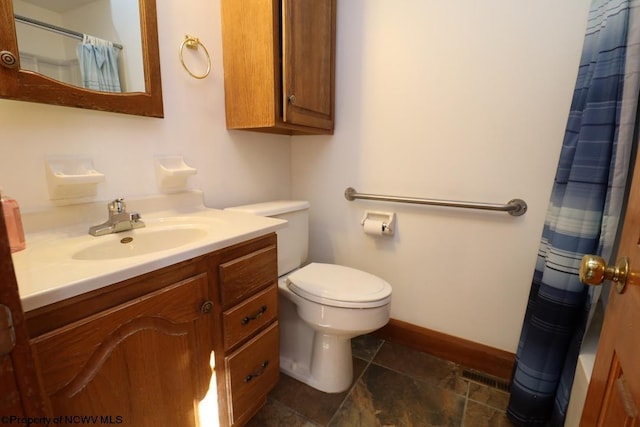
{"x":467,"y":353}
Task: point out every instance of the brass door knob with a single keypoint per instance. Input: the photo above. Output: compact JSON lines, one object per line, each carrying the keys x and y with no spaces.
{"x":594,"y":271}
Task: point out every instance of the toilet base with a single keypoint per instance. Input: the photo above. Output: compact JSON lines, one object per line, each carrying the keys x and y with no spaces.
{"x":331,"y":367}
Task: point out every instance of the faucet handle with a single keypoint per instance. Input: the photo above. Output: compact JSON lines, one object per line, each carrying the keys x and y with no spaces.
{"x":117,"y":206}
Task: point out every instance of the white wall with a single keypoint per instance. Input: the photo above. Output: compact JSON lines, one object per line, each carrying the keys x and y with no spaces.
{"x":233,"y":167}
{"x":458,"y":100}
{"x":30,"y":37}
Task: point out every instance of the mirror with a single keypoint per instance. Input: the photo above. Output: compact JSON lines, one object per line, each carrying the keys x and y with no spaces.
{"x":46,"y":57}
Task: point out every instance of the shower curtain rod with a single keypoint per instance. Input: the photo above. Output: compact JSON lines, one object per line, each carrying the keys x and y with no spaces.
{"x":54,"y":28}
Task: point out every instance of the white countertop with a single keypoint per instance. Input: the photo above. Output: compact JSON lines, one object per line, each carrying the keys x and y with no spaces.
{"x":47,"y":271}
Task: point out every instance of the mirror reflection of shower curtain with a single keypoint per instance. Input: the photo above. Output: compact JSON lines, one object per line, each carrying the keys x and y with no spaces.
{"x":99,"y":64}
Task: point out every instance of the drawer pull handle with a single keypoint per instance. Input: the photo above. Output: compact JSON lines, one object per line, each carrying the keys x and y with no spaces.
{"x":257,"y":373}
{"x":206,"y":307}
{"x":259,"y":314}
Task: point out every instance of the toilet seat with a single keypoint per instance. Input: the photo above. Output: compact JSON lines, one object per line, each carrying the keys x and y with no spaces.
{"x":339,"y":286}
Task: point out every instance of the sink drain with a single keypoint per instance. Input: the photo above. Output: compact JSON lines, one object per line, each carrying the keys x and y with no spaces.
{"x":126,"y":240}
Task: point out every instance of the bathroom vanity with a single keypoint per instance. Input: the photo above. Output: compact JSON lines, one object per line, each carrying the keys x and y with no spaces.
{"x":189,"y":343}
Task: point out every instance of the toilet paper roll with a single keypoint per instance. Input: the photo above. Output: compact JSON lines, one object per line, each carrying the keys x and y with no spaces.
{"x":373,"y":227}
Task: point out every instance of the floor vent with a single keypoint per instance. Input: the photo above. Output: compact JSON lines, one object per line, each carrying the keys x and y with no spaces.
{"x":485,"y":379}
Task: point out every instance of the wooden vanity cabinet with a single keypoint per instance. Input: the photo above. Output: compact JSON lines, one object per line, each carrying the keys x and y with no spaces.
{"x":138,"y":353}
{"x":279,"y":65}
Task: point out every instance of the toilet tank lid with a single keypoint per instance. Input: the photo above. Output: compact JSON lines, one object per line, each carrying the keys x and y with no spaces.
{"x":272,"y":208}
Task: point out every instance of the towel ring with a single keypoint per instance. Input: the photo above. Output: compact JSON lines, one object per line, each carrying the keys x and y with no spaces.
{"x":193,"y":43}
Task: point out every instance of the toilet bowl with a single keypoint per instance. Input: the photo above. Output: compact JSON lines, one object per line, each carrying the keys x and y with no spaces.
{"x":320,"y":314}
{"x":321,"y":306}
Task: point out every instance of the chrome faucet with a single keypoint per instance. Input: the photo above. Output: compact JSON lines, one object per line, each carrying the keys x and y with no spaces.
{"x":119,"y":220}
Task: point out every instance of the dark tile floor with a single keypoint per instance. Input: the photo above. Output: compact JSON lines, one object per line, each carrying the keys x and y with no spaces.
{"x":393,"y":386}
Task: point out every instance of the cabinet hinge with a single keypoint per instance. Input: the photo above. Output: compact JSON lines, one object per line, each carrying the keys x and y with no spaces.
{"x":7,"y":332}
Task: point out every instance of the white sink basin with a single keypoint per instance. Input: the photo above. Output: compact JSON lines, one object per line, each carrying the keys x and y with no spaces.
{"x":62,"y":260}
{"x":141,"y":241}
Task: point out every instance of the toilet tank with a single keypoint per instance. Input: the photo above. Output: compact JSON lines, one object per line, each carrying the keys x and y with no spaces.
{"x":293,"y":239}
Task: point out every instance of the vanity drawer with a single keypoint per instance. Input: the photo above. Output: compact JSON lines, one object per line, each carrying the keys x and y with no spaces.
{"x":242,"y":276}
{"x":253,"y":370}
{"x":245,"y":319}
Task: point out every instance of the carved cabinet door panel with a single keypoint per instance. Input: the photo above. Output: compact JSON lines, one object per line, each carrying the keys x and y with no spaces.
{"x":142,"y":363}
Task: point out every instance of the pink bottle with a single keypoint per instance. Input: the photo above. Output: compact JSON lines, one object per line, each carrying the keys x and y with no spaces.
{"x":13,"y":220}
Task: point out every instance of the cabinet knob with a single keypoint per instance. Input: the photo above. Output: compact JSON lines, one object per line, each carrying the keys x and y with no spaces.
{"x":206,"y":307}
{"x":292,"y":99}
{"x":8,"y":59}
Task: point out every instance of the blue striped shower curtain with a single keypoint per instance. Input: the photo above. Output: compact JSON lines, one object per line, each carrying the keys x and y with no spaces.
{"x":583,"y":214}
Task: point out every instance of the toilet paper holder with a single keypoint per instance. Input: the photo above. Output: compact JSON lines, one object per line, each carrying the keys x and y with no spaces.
{"x":379,"y":223}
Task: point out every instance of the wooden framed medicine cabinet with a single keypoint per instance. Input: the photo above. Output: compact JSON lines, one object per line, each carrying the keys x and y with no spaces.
{"x":20,"y":83}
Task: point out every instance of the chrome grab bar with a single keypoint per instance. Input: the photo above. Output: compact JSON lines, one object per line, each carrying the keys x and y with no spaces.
{"x":515,"y":207}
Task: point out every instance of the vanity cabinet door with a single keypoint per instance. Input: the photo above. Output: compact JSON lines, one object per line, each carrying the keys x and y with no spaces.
{"x":141,"y":363}
{"x":308,"y":57}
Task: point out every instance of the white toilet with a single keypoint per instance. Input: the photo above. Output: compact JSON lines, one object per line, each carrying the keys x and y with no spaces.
{"x":322,"y":306}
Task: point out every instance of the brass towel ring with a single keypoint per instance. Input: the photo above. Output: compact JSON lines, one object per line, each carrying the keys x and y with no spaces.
{"x":193,"y":43}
